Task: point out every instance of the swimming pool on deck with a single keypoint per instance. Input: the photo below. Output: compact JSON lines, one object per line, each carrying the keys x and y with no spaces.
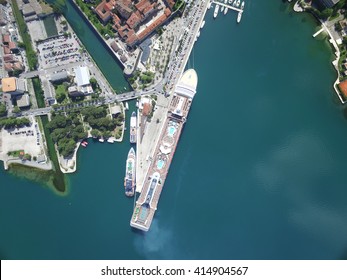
{"x":160,"y":164}
{"x":172,"y":130}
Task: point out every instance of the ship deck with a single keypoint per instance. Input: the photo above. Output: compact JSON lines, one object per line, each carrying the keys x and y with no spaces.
{"x":147,"y":202}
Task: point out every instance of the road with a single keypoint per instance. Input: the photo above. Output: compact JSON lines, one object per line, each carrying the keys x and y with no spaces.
{"x":191,"y":22}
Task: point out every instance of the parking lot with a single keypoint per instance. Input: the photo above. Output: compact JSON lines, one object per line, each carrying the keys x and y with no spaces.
{"x":57,"y":51}
{"x":28,"y":139}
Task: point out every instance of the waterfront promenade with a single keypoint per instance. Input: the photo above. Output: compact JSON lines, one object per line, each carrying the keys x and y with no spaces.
{"x":150,"y":155}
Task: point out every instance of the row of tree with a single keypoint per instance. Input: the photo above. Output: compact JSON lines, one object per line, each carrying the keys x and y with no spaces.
{"x":10,"y":123}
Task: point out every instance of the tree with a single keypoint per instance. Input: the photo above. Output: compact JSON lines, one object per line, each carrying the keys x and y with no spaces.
{"x":17,"y":72}
{"x":21,"y":44}
{"x":3,"y":110}
{"x":60,"y":93}
{"x":94,"y":83}
{"x":16,"y":110}
{"x":326,"y":13}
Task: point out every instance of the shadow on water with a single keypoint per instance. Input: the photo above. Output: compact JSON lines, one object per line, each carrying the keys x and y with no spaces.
{"x":345,"y":112}
{"x":344,"y":255}
{"x":3,"y":256}
{"x":137,"y":231}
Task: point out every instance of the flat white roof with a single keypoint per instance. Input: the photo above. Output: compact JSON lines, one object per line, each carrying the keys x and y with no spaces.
{"x":82,"y":76}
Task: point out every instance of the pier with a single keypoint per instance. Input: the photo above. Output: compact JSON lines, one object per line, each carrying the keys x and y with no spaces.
{"x":318,"y":32}
{"x":227,"y":6}
{"x":147,"y":149}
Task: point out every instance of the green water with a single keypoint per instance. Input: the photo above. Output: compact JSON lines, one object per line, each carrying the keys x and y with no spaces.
{"x":259,"y":172}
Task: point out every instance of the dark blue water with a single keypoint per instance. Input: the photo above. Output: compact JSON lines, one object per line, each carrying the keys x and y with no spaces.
{"x":259,"y":172}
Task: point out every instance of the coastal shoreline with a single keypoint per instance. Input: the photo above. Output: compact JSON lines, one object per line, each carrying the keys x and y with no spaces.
{"x":297,"y":8}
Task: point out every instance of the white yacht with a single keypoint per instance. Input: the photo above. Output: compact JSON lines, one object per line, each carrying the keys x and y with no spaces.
{"x":209,"y":5}
{"x":239,"y":15}
{"x":225,"y":8}
{"x":242,"y":5}
{"x":238,"y":3}
{"x":216,"y":10}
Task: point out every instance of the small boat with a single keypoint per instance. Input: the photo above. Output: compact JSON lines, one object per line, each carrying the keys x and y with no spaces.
{"x":239,"y":15}
{"x":126,"y":106}
{"x":216,"y":10}
{"x":110,"y":140}
{"x":226,"y":8}
{"x":202,"y":24}
{"x":242,"y":5}
{"x":234,"y":4}
{"x":238,"y":3}
{"x":222,"y":9}
{"x":101,"y":140}
{"x":83,"y":145}
{"x":209,"y":5}
{"x":230,"y":2}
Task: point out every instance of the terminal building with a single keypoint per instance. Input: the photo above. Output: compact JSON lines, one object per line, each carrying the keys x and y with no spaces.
{"x":151,"y":188}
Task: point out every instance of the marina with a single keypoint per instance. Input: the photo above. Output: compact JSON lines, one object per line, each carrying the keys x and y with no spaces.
{"x":225,"y":6}
{"x":146,"y":205}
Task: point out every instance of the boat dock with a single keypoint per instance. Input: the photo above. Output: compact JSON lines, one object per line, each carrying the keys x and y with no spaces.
{"x":147,"y":147}
{"x":153,"y":183}
{"x":318,"y":32}
{"x":227,"y":6}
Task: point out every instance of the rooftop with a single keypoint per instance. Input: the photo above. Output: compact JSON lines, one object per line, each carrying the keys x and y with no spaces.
{"x":8,"y":84}
{"x":343,"y":88}
{"x":82,"y":75}
{"x":23,"y":100}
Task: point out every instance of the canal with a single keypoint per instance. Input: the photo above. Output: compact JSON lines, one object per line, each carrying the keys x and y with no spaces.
{"x":107,"y":63}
